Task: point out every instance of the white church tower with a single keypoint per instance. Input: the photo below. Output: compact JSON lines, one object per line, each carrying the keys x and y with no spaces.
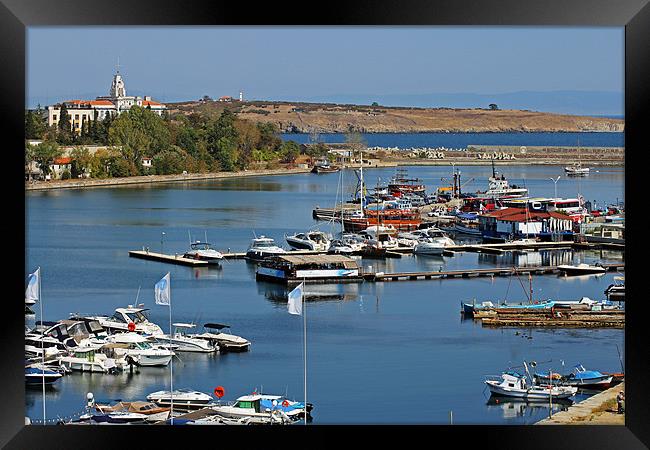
{"x":118,"y":89}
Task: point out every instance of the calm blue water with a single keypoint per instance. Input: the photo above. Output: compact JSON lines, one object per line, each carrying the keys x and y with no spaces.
{"x":377,"y":353}
{"x":462,"y":140}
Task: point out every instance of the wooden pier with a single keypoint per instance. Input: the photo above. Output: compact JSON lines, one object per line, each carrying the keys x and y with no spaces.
{"x":172,"y":259}
{"x":467,"y":273}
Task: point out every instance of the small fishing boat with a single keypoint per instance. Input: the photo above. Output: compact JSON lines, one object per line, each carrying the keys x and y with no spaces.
{"x":582,"y":269}
{"x":150,"y":410}
{"x":184,"y":399}
{"x":324,"y":166}
{"x":293,"y":409}
{"x":514,"y":384}
{"x":579,"y":376}
{"x":203,"y":251}
{"x":312,"y":240}
{"x":263,"y":247}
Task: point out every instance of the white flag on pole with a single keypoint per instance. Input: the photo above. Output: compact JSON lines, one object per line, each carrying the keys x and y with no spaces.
{"x":295,"y":300}
{"x":32,"y":291}
{"x":162,"y":291}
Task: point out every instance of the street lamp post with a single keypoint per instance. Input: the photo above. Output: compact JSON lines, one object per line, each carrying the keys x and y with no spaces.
{"x":555,"y":183}
{"x":162,"y":243}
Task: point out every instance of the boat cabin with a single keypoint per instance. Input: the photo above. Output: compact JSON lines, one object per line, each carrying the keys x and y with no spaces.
{"x":295,"y":268}
{"x":198,"y":245}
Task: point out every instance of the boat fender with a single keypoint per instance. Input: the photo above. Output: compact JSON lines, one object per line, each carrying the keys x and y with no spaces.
{"x":219,"y":391}
{"x":285,"y":403}
{"x":131,"y":326}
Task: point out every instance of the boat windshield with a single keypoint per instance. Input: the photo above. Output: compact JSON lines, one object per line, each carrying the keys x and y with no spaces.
{"x":143,"y":345}
{"x":264,"y":244}
{"x":201,"y":246}
{"x":137,"y":317}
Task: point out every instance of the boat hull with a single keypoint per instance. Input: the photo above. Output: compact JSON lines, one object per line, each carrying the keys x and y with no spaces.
{"x":528,"y":394}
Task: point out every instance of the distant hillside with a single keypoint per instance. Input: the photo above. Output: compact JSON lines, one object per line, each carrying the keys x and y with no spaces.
{"x":587,"y":103}
{"x":337,"y":118}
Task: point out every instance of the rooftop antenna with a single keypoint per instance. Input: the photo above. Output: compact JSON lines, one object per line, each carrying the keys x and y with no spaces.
{"x":118,"y":65}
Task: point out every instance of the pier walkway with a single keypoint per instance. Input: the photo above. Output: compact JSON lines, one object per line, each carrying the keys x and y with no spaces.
{"x":466,"y":273}
{"x":597,"y":410}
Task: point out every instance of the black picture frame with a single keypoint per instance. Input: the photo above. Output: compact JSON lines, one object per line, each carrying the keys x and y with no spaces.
{"x":634,"y":15}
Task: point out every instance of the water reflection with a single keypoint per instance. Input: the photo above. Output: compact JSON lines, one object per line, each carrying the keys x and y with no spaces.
{"x":278,"y":293}
{"x":522,"y":258}
{"x":512,"y":408}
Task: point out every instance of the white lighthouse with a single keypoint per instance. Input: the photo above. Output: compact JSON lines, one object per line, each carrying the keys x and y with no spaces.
{"x":241,"y":96}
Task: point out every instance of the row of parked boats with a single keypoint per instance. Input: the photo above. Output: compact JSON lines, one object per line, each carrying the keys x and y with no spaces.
{"x":111,"y":344}
{"x":191,"y":407}
{"x":550,"y":385}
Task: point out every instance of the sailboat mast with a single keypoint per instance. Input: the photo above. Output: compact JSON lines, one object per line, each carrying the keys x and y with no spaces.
{"x":361,"y":185}
{"x":40,"y":302}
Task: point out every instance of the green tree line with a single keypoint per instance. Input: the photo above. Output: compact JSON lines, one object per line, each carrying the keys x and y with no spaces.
{"x":193,"y":143}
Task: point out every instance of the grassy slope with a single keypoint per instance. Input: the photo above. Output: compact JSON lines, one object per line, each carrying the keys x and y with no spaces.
{"x":308,"y":117}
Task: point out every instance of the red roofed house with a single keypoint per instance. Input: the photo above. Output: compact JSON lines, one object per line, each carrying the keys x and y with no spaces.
{"x":117,"y":102}
{"x":515,"y":223}
{"x":60,"y":165}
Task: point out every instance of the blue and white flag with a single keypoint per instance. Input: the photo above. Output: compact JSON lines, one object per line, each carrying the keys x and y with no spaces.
{"x":33,"y":291}
{"x":162,"y":291}
{"x":295,"y":300}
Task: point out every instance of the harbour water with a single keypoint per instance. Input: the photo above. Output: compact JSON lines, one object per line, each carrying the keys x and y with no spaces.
{"x":376,"y":353}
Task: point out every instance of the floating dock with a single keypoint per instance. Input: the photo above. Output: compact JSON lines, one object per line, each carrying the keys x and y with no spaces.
{"x":172,"y":259}
{"x":467,"y":273}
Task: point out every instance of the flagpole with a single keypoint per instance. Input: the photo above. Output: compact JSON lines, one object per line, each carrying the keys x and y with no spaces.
{"x":40,"y":301}
{"x":171,"y":361}
{"x":304,"y":334}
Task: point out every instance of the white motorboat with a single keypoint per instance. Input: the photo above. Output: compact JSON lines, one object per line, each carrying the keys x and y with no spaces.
{"x":90,"y":359}
{"x":250,"y":406}
{"x":225,"y":341}
{"x":51,"y":338}
{"x":140,"y":348}
{"x":354,"y":241}
{"x":379,"y":237}
{"x":576,"y":170}
{"x":183,"y":341}
{"x":37,"y":374}
{"x":429,"y":247}
{"x":263,"y":247}
{"x":184,"y":399}
{"x":337,"y":246}
{"x":582,"y":269}
{"x":203,"y":251}
{"x":312,"y":240}
{"x":513,"y":384}
{"x":119,"y":322}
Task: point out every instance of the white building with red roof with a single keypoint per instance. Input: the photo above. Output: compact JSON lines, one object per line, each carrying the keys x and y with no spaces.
{"x":80,"y":111}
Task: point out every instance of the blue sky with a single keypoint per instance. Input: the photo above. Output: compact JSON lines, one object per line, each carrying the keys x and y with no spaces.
{"x":324,"y":63}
